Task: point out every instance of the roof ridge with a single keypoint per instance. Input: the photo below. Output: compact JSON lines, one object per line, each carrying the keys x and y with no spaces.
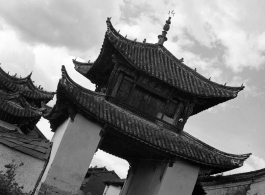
{"x":65,"y":75}
{"x":82,"y":63}
{"x":110,"y":28}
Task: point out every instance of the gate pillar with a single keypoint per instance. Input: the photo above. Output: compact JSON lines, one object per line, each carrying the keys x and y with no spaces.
{"x":161,"y":178}
{"x":180,"y":178}
{"x":74,"y":145}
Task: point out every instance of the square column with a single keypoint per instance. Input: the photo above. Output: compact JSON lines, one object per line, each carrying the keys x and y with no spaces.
{"x":150,"y":177}
{"x":179,"y":179}
{"x":74,"y":145}
{"x":144,"y":177}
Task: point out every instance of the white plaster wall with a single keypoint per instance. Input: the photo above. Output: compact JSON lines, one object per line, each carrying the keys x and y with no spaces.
{"x":145,"y":179}
{"x":56,"y":140}
{"x":26,"y":175}
{"x":112,"y":190}
{"x":179,"y":179}
{"x":74,"y":145}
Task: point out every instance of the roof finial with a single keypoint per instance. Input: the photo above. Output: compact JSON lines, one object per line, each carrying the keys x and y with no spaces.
{"x":162,"y":38}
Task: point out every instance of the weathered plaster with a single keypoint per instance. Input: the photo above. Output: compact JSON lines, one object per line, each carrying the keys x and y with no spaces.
{"x":27,"y":174}
{"x":180,"y":178}
{"x":74,"y":145}
{"x":157,"y":178}
{"x":144,"y":178}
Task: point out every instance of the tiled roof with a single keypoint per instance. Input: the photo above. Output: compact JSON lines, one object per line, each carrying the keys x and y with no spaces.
{"x":156,"y":61}
{"x":95,"y":184}
{"x":14,"y":105}
{"x":82,"y":67}
{"x":235,"y":178}
{"x":38,"y":148}
{"x":182,"y":145}
{"x":24,"y":86}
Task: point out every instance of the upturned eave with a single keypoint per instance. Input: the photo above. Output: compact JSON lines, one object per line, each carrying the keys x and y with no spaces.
{"x":93,"y":105}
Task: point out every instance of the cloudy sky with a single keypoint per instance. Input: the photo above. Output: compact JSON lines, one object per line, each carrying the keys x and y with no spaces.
{"x":224,"y":40}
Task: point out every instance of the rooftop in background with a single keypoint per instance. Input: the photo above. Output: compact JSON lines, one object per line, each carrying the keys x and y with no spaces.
{"x":22,"y":103}
{"x":24,"y":86}
{"x":95,"y":178}
{"x":38,"y":148}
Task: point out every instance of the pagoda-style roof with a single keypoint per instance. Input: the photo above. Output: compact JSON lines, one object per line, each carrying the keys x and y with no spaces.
{"x":93,"y":105}
{"x":24,"y":86}
{"x":14,"y":109}
{"x":38,"y":148}
{"x":156,"y":61}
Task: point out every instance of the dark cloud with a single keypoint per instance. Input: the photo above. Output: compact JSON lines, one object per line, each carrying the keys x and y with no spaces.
{"x":74,"y":24}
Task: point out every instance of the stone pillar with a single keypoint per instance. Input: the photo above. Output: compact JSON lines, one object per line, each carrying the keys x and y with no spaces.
{"x":179,"y":179}
{"x":74,"y":145}
{"x":144,"y":177}
{"x":158,"y":178}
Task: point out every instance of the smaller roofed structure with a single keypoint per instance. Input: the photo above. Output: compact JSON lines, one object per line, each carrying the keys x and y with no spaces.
{"x":22,"y":103}
{"x":24,"y":86}
{"x":95,"y":179}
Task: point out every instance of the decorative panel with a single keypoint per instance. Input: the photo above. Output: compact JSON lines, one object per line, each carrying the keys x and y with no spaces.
{"x":124,"y":89}
{"x":170,"y":109}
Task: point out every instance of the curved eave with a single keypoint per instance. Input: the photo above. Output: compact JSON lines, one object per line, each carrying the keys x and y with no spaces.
{"x":82,"y":67}
{"x":172,"y":68}
{"x":25,"y":86}
{"x":182,"y":145}
{"x":16,"y":110}
{"x":15,"y":114}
